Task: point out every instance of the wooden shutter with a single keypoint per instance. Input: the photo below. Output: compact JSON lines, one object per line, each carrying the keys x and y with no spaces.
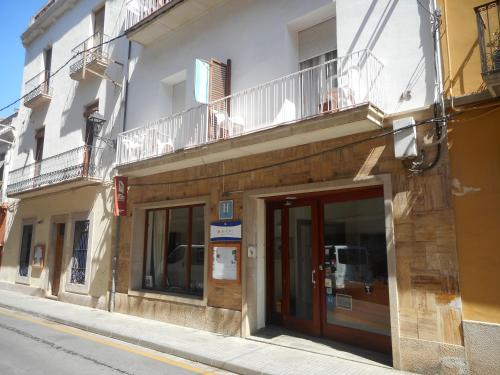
{"x":219,"y":87}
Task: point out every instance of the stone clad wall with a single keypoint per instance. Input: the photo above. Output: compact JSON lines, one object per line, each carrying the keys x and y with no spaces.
{"x":427,"y":277}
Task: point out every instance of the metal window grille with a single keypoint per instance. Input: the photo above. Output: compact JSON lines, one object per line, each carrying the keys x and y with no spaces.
{"x":80,"y":248}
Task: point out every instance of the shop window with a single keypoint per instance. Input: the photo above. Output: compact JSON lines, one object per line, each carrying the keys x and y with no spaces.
{"x":24,"y":259}
{"x":175,"y":250}
{"x":80,"y":248}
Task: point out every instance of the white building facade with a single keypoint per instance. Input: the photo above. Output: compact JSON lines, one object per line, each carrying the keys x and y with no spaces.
{"x":58,"y":171}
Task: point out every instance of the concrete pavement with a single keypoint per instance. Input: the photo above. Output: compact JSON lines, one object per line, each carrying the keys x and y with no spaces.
{"x":30,"y":345}
{"x":225,"y":352}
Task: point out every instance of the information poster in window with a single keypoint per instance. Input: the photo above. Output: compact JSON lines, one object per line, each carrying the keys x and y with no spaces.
{"x":225,"y":263}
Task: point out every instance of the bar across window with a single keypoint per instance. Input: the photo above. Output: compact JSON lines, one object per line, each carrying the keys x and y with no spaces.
{"x":80,"y":247}
{"x":175,"y":250}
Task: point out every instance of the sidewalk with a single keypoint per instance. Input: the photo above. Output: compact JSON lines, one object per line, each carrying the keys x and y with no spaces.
{"x":225,"y":352}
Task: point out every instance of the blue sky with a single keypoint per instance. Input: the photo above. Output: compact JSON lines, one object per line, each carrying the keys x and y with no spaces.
{"x":14,"y":20}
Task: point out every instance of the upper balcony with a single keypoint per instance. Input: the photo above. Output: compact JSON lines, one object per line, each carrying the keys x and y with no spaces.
{"x":148,"y":20}
{"x":339,"y":97}
{"x":37,"y":90}
{"x":92,"y":57}
{"x":80,"y":166}
{"x":488,"y":22}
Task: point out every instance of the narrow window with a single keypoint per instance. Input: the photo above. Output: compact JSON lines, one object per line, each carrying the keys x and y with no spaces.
{"x":47,"y":60}
{"x":2,"y":163}
{"x":39,"y":137}
{"x":175,"y":250}
{"x":80,"y":248}
{"x":24,"y":259}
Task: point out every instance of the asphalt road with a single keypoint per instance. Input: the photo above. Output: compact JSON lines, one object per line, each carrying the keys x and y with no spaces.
{"x":30,"y":345}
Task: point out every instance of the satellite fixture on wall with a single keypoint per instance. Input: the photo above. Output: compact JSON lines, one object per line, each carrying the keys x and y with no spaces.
{"x":405,"y":138}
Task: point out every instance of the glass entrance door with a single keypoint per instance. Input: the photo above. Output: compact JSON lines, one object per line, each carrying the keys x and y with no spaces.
{"x":327,"y":266}
{"x":293,"y":278}
{"x":354,"y":267}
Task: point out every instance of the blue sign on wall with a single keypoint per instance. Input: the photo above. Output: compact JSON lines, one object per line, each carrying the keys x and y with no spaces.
{"x":226,"y":210}
{"x":225,"y":231}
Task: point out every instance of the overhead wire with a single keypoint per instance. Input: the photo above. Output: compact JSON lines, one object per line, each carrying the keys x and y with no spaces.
{"x":61,"y":68}
{"x":288,"y":161}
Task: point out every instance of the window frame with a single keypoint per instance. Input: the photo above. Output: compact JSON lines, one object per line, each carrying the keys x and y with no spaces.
{"x":68,"y":285}
{"x":164,"y":289}
{"x":19,"y":278}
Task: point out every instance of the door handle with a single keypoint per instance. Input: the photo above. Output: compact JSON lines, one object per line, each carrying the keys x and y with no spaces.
{"x":313,"y":280}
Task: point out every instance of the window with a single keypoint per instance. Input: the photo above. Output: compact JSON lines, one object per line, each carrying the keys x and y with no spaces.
{"x":2,"y":162}
{"x":24,"y":259}
{"x":39,"y":137}
{"x":175,"y":250}
{"x":80,"y":248}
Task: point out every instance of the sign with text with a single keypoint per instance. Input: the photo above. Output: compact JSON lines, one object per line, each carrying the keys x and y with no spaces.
{"x":225,"y":263}
{"x":225,"y":231}
{"x":226,"y":210}
{"x":121,"y":184}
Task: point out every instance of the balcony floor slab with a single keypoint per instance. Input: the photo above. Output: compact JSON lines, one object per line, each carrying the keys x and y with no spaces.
{"x":356,"y":120}
{"x":56,"y":188}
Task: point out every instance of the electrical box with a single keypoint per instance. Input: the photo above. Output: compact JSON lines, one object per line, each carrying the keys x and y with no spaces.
{"x":405,"y":141}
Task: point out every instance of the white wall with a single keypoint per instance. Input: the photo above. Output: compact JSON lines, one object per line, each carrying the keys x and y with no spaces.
{"x":399,"y":34}
{"x":261,"y":39}
{"x":63,"y":116}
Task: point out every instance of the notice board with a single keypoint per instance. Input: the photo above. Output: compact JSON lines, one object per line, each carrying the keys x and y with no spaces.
{"x":225,"y":262}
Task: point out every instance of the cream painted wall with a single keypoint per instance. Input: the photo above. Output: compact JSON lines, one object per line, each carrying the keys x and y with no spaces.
{"x":94,"y":202}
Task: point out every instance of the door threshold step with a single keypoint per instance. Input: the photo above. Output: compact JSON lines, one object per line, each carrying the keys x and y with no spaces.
{"x":50,"y":296}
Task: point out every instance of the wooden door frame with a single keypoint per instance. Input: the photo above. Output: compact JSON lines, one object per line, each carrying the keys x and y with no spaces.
{"x":313,"y":326}
{"x":56,"y":260}
{"x":318,"y":200}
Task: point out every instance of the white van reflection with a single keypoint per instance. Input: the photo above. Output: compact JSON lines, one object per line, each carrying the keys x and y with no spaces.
{"x":352,"y":264}
{"x":176,"y":273}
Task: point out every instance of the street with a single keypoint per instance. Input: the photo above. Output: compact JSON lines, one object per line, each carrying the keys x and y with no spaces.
{"x":30,"y":345}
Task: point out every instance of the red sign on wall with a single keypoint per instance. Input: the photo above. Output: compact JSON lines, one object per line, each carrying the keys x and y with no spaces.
{"x":121,"y":183}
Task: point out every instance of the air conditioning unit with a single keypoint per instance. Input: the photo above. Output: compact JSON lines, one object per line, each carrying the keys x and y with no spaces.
{"x":405,"y":138}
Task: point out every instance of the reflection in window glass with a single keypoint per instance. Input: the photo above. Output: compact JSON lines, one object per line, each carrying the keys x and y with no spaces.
{"x":155,"y":249}
{"x":175,"y":239}
{"x":24,"y":259}
{"x":356,"y":265}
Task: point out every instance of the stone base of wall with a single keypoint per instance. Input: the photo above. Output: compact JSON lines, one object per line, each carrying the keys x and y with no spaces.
{"x":24,"y":289}
{"x":213,"y":319}
{"x":430,"y":357}
{"x":84,"y":300}
{"x":482,"y":347}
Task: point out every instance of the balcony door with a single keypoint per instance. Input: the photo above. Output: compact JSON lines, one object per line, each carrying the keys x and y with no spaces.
{"x":89,"y":137}
{"x":39,"y":141}
{"x":59,"y":229}
{"x":327,"y":266}
{"x":99,"y":26}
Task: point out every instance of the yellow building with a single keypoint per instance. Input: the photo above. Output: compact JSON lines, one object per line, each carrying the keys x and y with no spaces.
{"x":471,"y":52}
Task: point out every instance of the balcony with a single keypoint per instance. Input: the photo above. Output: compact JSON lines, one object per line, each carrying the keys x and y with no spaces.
{"x":78,"y":167}
{"x":488,"y":21}
{"x":92,"y":58}
{"x":148,"y":20}
{"x":340,"y":97}
{"x":37,"y":90}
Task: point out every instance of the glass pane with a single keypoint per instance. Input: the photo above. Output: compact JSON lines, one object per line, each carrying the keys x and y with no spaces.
{"x":80,"y":245}
{"x":277,"y":265}
{"x":300,"y":256}
{"x":155,"y":249}
{"x":197,"y":250}
{"x":24,"y":259}
{"x":178,"y":249}
{"x":356,"y":265}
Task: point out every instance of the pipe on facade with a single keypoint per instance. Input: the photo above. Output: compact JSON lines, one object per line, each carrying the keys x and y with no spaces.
{"x":114,"y":263}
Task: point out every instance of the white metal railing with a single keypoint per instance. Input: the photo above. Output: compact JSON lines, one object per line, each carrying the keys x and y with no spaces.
{"x":80,"y":162}
{"x":86,"y":53}
{"x":39,"y":84}
{"x":335,"y":85}
{"x":183,"y":130}
{"x":137,"y":10}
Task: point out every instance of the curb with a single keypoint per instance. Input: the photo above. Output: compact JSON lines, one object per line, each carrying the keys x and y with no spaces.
{"x":143,"y":343}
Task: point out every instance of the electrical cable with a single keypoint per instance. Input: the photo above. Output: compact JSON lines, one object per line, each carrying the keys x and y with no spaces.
{"x":319,"y":153}
{"x":59,"y":69}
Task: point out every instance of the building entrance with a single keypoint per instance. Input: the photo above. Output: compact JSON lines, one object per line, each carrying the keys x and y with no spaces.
{"x":327,"y":266}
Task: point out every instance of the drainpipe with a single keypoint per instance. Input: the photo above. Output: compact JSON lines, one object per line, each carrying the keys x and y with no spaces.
{"x":114,"y":263}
